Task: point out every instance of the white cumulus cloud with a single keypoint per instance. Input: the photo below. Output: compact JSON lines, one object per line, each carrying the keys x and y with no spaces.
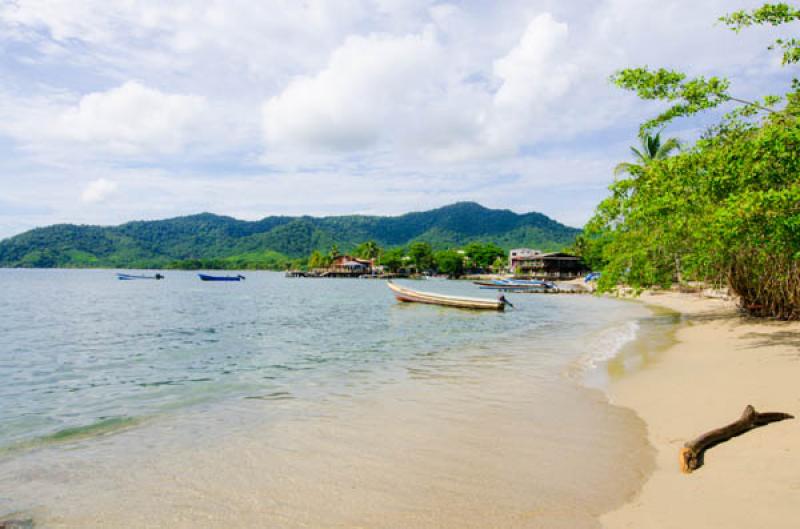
{"x":98,"y":190}
{"x":357,"y":97}
{"x":131,"y":119}
{"x":411,"y":94}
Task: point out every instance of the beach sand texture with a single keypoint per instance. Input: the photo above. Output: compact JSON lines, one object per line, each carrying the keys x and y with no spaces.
{"x":722,"y":362}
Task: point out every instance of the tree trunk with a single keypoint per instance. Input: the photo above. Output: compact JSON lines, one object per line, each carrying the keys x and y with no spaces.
{"x":692,"y":452}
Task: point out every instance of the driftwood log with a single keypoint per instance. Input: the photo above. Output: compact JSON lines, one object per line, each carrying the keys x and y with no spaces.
{"x":692,"y":452}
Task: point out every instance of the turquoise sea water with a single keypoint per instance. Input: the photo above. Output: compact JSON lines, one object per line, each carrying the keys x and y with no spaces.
{"x":80,"y":349}
{"x":295,"y":389}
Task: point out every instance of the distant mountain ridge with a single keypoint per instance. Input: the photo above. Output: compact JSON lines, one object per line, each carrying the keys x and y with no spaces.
{"x":153,"y":244}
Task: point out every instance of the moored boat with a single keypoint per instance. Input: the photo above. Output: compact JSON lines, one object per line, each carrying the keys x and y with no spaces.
{"x":514,"y":285}
{"x":206,"y":277}
{"x":415,"y":296}
{"x":500,"y":285}
{"x":131,"y":277}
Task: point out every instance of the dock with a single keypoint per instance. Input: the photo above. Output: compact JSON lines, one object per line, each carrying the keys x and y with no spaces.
{"x":340,"y":274}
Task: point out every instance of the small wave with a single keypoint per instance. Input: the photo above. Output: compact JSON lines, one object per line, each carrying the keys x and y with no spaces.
{"x":104,"y":426}
{"x":277,"y":395}
{"x":607,"y":344}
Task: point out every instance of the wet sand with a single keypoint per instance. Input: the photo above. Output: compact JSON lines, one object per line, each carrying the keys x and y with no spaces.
{"x":720,"y":363}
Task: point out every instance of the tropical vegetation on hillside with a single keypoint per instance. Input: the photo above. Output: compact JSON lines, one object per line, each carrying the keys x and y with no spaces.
{"x":725,"y":210}
{"x":212,"y":241}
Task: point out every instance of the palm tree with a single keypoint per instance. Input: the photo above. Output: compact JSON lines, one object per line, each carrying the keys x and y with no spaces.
{"x":651,"y":149}
{"x":368,"y":250}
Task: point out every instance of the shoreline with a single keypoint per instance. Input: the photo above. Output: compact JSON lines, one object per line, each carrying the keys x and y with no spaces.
{"x":720,"y":362}
{"x":485,"y":460}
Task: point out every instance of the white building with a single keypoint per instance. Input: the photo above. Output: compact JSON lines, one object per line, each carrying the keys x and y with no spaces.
{"x":518,"y":254}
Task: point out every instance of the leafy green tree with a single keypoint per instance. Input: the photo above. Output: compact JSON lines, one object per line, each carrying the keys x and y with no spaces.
{"x":314,"y":259}
{"x":500,"y":263}
{"x":691,"y":96}
{"x":491,"y":253}
{"x":482,"y":255}
{"x":450,"y":262}
{"x":393,"y":259}
{"x":368,"y":250}
{"x":727,"y":209}
{"x":297,"y":264}
{"x":421,"y":255}
{"x":774,"y":15}
{"x":317,"y":260}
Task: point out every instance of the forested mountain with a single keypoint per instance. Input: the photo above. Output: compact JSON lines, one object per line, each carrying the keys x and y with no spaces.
{"x":143,"y":244}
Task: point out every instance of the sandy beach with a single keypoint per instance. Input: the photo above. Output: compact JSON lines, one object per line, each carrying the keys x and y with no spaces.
{"x":720,"y":363}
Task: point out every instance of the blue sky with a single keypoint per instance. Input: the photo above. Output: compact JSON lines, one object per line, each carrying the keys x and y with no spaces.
{"x":123,"y":110}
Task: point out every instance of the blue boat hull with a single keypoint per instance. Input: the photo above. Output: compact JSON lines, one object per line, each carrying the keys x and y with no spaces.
{"x":205,"y":277}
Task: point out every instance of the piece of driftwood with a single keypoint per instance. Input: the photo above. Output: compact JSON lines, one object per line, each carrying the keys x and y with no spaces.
{"x":692,"y":452}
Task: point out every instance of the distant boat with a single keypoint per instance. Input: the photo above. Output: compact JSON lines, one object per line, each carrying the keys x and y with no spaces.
{"x":515,"y":284}
{"x":500,"y":284}
{"x":415,"y":296}
{"x":130,"y":277}
{"x":206,"y":277}
{"x":534,"y":282}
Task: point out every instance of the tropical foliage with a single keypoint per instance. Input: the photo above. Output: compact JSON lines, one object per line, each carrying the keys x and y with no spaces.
{"x":368,"y":250}
{"x":393,"y":259}
{"x":419,"y":257}
{"x":450,"y":263}
{"x":725,"y":210}
{"x":266,"y":260}
{"x":651,"y":149}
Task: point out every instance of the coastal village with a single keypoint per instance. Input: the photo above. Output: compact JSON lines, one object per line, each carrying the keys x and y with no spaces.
{"x":523,"y":263}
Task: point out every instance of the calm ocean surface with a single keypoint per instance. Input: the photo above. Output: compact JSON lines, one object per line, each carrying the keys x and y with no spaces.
{"x":83,"y":355}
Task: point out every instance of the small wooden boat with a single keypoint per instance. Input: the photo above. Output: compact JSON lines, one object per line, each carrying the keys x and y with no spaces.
{"x":516,"y":285}
{"x":206,"y":277}
{"x":131,"y":277}
{"x":500,"y":286}
{"x":408,"y":295}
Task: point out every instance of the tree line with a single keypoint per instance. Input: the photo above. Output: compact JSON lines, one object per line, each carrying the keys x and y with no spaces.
{"x":419,"y":257}
{"x":724,"y":209}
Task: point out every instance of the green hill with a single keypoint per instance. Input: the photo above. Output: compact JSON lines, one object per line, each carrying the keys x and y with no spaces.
{"x":272,"y":240}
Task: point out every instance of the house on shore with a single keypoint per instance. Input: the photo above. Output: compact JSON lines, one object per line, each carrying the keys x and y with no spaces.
{"x":343,"y":266}
{"x":349,"y":266}
{"x":526,"y":262}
